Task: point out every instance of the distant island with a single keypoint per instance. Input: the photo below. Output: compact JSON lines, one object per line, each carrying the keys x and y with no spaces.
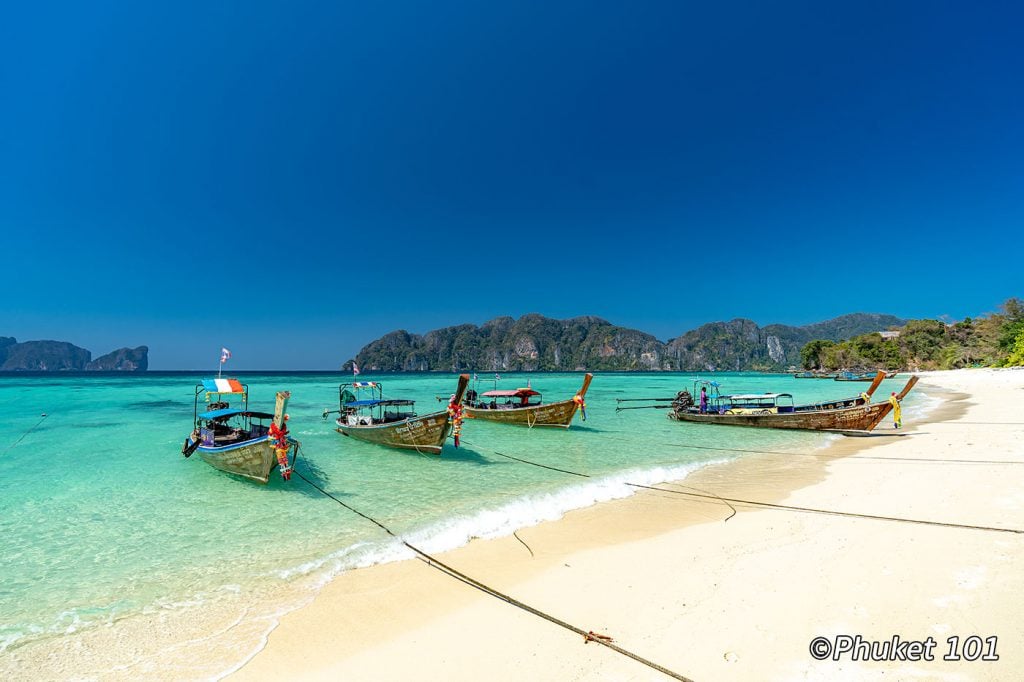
{"x":537,"y":343}
{"x":61,"y":356}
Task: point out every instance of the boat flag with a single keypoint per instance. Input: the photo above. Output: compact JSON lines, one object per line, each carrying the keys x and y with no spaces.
{"x":224,"y":355}
{"x":355,"y":369}
{"x":497,"y":377}
{"x":475,"y":377}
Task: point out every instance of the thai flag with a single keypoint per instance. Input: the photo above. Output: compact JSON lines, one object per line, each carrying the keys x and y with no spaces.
{"x":475,"y":377}
{"x":497,"y":377}
{"x":355,"y":369}
{"x":224,"y":355}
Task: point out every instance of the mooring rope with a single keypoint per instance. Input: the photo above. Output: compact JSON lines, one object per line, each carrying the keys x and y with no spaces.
{"x":31,"y":429}
{"x":515,"y":534}
{"x":690,"y":446}
{"x":576,"y":473}
{"x":771,"y":505}
{"x":588,"y":635}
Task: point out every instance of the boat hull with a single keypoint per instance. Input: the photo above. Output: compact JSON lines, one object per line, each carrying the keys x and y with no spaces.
{"x":859,"y":418}
{"x":558,"y":414}
{"x":253,"y":459}
{"x":422,"y":434}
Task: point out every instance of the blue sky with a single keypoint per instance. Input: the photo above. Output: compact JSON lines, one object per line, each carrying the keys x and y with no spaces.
{"x":292,"y":180}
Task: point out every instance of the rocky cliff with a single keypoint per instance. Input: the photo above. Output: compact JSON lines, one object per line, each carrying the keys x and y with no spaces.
{"x":743,"y":345}
{"x":56,"y":356}
{"x":534,"y":342}
{"x":531,"y":343}
{"x":5,"y":343}
{"x":123,"y":360}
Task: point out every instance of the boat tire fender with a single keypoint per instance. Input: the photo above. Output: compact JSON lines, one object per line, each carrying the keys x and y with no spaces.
{"x":191,"y":444}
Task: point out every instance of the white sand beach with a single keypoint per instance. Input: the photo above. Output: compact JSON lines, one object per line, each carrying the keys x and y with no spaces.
{"x":712,"y":599}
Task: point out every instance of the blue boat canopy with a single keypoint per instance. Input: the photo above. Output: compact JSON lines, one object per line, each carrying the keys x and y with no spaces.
{"x":229,"y":412}
{"x":216,"y":414}
{"x":374,"y":403}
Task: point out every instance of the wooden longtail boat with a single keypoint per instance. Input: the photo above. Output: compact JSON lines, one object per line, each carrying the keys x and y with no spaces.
{"x":384,"y":422}
{"x":813,"y":375}
{"x":777,"y":411}
{"x":863,"y":376}
{"x":237,"y":440}
{"x":515,"y":407}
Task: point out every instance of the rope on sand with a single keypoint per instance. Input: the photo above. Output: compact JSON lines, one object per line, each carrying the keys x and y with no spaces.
{"x":433,"y":562}
{"x":690,"y":446}
{"x":771,"y":505}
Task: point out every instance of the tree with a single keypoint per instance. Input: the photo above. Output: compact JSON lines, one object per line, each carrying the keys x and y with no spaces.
{"x":1013,"y":308}
{"x":812,"y":354}
{"x":1016,"y":358}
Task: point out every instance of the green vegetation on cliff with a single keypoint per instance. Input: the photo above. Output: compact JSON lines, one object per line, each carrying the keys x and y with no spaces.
{"x":992,"y":340}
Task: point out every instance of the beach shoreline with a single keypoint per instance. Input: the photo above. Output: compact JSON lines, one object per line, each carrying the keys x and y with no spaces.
{"x":403,"y":619}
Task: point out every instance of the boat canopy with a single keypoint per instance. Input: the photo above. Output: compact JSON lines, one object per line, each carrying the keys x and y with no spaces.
{"x":757,"y":396}
{"x":375,"y":402}
{"x":228,"y":412}
{"x":518,"y":393}
{"x":223,"y":386}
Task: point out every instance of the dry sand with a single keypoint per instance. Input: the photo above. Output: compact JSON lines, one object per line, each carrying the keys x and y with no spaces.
{"x":671,"y":580}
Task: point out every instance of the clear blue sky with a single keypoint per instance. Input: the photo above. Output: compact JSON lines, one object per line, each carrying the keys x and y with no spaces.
{"x":292,"y":180}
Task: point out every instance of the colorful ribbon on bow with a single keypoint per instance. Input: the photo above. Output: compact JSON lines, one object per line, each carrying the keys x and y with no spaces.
{"x":578,"y":399}
{"x":455,"y":417}
{"x":279,"y":442}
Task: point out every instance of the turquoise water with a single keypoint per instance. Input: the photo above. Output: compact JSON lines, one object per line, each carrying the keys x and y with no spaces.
{"x":103,"y":524}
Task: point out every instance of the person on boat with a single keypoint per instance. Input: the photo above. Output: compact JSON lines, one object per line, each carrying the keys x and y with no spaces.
{"x":897,"y":411}
{"x":703,"y":399}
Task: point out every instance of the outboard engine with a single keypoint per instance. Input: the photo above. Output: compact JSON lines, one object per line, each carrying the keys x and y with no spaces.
{"x":683,"y":401}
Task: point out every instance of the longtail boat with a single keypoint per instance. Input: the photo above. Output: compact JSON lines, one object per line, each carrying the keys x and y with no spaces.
{"x":777,"y":411}
{"x":238,"y":440}
{"x":862,"y":376}
{"x":519,"y":407}
{"x":393,"y":422}
{"x":813,"y":375}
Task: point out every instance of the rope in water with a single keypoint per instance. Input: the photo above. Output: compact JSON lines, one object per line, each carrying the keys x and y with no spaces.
{"x":433,"y":562}
{"x":31,"y":429}
{"x":771,"y":505}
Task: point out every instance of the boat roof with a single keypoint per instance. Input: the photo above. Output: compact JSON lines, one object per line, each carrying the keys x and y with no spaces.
{"x":374,"y":403}
{"x":519,"y":392}
{"x":223,"y":386}
{"x":757,"y":396}
{"x":229,"y":412}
